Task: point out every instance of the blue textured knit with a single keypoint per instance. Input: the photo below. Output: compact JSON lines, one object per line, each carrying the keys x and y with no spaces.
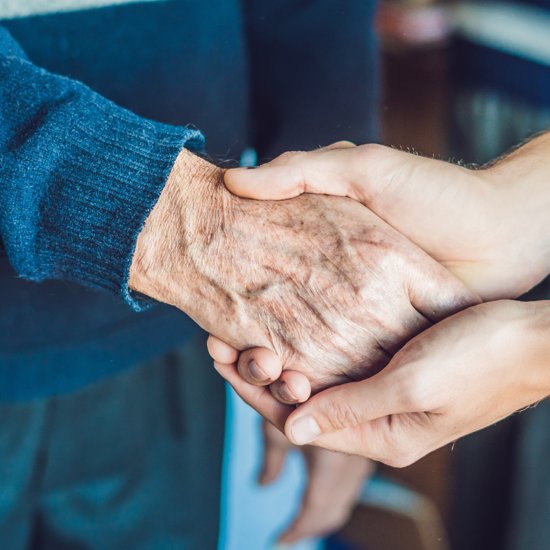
{"x":78,"y":176}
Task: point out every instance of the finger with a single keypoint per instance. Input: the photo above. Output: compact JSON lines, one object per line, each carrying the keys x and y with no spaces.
{"x":323,"y":171}
{"x":305,"y":525}
{"x":272,"y":466}
{"x":276,"y":447}
{"x":344,"y":407}
{"x":395,"y":440}
{"x":259,"y":398}
{"x":220,"y":351}
{"x":440,"y":294}
{"x":259,"y":366}
{"x":292,"y":387}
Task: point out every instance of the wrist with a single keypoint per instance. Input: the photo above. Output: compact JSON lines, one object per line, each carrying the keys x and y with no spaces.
{"x":522,"y":188}
{"x":160,"y":268}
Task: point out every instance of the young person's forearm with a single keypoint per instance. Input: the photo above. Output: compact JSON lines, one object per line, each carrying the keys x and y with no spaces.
{"x":523,"y":180}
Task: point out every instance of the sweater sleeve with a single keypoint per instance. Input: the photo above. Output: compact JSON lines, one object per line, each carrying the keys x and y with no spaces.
{"x":78,"y":176}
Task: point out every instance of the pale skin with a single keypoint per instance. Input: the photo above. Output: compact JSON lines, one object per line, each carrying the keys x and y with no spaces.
{"x":322,"y":282}
{"x":473,"y":369}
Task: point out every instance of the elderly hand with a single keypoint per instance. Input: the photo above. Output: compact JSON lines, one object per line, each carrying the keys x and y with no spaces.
{"x":334,"y":482}
{"x":468,"y":371}
{"x":459,"y":376}
{"x":321,"y":282}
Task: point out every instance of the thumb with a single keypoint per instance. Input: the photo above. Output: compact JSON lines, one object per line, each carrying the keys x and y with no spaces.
{"x":276,"y":447}
{"x":321,"y":171}
{"x":346,"y":406}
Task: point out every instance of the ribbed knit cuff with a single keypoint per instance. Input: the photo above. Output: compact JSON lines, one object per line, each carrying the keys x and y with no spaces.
{"x":78,"y":178}
{"x":109,"y":188}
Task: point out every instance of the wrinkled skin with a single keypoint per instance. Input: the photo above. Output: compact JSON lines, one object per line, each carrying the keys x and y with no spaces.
{"x":322,"y":281}
{"x":471,"y":370}
{"x":487,"y":227}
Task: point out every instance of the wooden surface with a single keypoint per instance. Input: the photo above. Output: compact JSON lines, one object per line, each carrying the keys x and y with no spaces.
{"x":415,"y":105}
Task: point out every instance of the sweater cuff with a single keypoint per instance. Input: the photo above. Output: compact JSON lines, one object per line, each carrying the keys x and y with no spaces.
{"x":128,"y":160}
{"x":93,"y":212}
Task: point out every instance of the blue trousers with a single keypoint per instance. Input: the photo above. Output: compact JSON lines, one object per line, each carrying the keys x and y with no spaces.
{"x":133,"y":462}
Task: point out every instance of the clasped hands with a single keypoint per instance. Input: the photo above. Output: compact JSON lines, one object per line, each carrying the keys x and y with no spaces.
{"x":370,"y":299}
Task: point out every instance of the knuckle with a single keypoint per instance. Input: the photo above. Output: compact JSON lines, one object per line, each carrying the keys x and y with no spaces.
{"x":401,"y":461}
{"x":373,"y":149}
{"x":401,"y":458}
{"x":403,"y":453}
{"x":341,"y":415}
{"x":333,"y":524}
{"x":290,"y":155}
{"x":321,"y":520}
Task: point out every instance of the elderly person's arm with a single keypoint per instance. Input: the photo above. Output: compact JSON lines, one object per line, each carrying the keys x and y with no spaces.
{"x":78,"y":176}
{"x":94,"y":194}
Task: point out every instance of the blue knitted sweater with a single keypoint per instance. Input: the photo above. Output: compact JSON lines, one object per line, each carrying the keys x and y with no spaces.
{"x":82,"y":163}
{"x":79,"y":175}
{"x":84,"y":155}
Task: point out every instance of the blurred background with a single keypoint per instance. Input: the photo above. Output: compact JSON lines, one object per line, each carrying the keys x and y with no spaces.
{"x":466,"y":82}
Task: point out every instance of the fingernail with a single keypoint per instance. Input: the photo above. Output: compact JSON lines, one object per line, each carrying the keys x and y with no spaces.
{"x":284,"y":392}
{"x":304,"y":430}
{"x":256,"y":372}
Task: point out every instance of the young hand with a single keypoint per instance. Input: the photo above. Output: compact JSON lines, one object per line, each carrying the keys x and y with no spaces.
{"x":459,"y":376}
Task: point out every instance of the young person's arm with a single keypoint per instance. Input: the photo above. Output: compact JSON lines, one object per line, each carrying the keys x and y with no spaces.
{"x":473,"y":369}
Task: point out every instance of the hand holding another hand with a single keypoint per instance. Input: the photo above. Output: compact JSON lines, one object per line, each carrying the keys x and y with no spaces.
{"x":459,"y":376}
{"x":320,"y":282}
{"x":471,"y":370}
{"x":483,"y":225}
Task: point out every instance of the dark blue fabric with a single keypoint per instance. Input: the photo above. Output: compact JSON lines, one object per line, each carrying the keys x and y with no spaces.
{"x":174,"y":61}
{"x":540,"y":3}
{"x":9,"y":47}
{"x":79,"y":176}
{"x":156,"y":59}
{"x":314,"y":73}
